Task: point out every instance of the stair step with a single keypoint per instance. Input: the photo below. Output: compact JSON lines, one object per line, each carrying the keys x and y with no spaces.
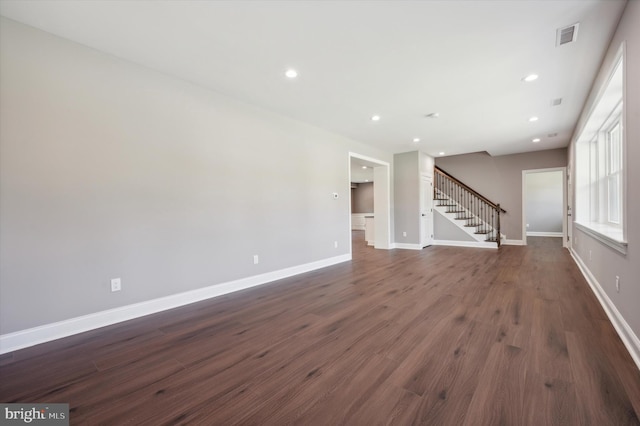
{"x":482,"y":232}
{"x":472,"y":225}
{"x":455,"y":211}
{"x":464,"y":218}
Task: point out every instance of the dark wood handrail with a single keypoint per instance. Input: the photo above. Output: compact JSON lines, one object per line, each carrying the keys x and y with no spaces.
{"x":473,"y":191}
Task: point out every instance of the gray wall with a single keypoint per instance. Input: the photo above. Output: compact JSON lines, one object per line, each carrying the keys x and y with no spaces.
{"x":605,"y":263}
{"x":362,"y":198}
{"x":544,"y":209}
{"x":111,"y":170}
{"x":444,"y":230}
{"x":407,"y":197}
{"x":500,"y":179}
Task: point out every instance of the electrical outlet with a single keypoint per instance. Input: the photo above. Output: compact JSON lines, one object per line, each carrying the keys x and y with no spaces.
{"x":116,"y":284}
{"x":256,"y":259}
{"x":404,"y":234}
{"x":617,"y":284}
{"x":335,"y":244}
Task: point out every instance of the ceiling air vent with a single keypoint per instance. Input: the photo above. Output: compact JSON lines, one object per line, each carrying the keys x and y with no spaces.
{"x":556,"y":101}
{"x":567,"y":34}
{"x":552,"y":135}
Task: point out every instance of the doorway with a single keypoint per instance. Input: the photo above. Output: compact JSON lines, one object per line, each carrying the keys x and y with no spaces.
{"x":381,"y":198}
{"x":544,"y":203}
{"x":426,"y":210}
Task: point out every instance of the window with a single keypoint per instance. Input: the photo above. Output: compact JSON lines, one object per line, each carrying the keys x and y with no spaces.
{"x":600,"y":171}
{"x":613,"y":172}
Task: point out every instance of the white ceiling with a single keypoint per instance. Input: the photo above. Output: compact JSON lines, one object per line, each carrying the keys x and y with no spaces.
{"x":361,"y":170}
{"x":398,"y":59}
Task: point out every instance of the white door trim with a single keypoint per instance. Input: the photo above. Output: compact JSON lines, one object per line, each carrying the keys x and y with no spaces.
{"x":564,"y":201}
{"x":424,"y":242}
{"x":381,"y":200}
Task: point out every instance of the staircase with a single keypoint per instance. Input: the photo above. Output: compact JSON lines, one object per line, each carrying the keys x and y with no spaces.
{"x":472,"y":212}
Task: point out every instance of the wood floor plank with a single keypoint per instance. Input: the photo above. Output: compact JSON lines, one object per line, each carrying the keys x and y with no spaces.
{"x":598,"y":388}
{"x":419,"y":369}
{"x":388,"y":405}
{"x":353,"y":388}
{"x":627,"y":371}
{"x":499,"y":397}
{"x":550,"y":402}
{"x":549,"y":354}
{"x":415,"y":324}
{"x":447,"y":398}
{"x":121,"y":383}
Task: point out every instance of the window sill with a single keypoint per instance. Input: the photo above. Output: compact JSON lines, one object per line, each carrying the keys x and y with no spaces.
{"x":608,"y":235}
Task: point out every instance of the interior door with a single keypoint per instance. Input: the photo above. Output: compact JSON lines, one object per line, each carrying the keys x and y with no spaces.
{"x":569,"y":202}
{"x":426,"y":210}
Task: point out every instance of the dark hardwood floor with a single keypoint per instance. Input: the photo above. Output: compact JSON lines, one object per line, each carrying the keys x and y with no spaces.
{"x":442,"y":336}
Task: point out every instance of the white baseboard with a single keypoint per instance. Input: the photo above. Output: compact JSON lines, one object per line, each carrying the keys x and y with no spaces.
{"x":406,"y":246}
{"x":625,"y":332}
{"x":513,"y":242}
{"x":477,"y":244}
{"x":544,"y":234}
{"x":33,"y":336}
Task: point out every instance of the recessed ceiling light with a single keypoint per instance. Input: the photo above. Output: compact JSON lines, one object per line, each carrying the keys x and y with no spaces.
{"x":530,"y":78}
{"x":364,"y":167}
{"x":375,"y":118}
{"x":536,"y":140}
{"x":532,"y":119}
{"x":441,"y":153}
{"x":416,"y":140}
{"x":366,"y":180}
{"x":291,"y":73}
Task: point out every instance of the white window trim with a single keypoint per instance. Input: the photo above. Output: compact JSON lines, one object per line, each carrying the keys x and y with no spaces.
{"x":609,"y":235}
{"x":617,"y":121}
{"x":613,"y":236}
